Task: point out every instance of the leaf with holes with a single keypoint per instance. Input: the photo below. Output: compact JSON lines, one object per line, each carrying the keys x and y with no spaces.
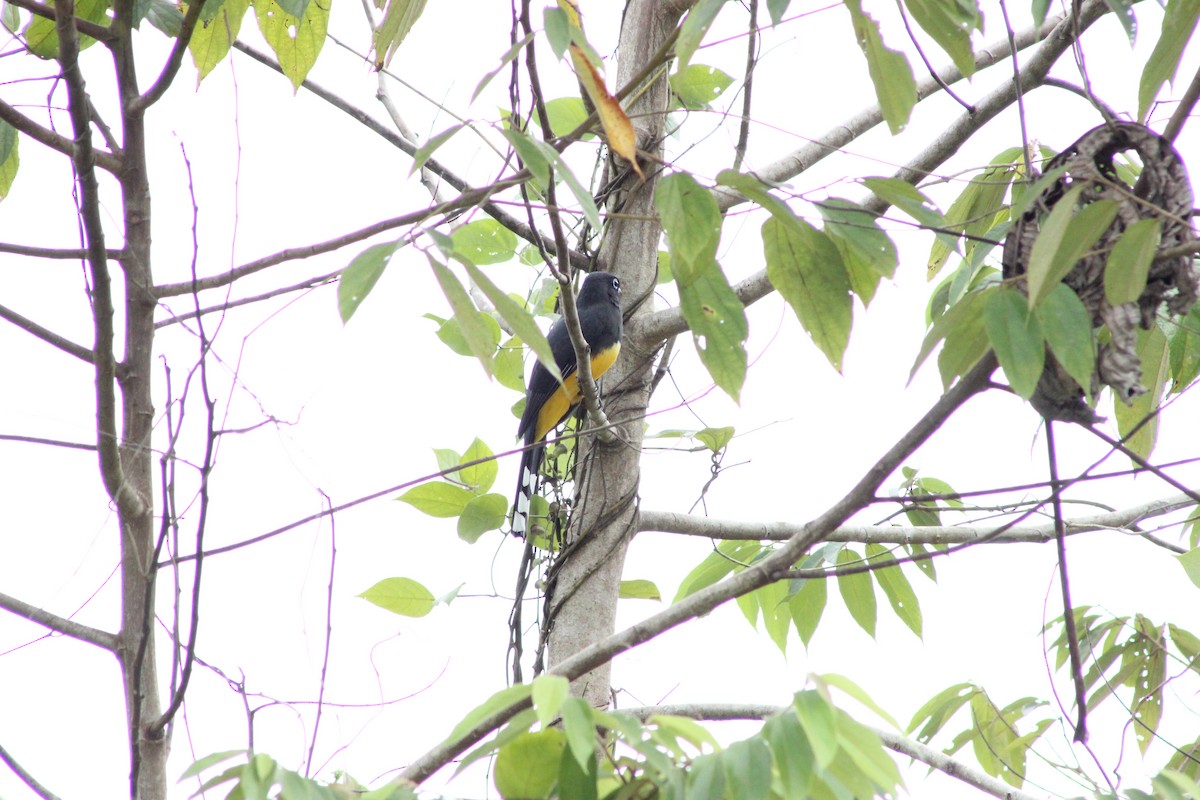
{"x":896,"y":587}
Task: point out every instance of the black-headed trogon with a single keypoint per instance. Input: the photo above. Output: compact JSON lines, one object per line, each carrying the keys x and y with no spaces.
{"x":548,"y":402}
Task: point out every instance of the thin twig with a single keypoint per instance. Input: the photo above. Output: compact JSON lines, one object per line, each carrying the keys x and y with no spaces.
{"x":174,"y":60}
{"x":328,"y":633}
{"x":24,"y":775}
{"x":912,"y":37}
{"x":1186,"y":104}
{"x":739,"y":150}
{"x":1081,"y":732}
{"x":67,"y":627}
{"x":48,"y":336}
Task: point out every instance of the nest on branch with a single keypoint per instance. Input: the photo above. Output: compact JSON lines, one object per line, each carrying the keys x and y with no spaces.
{"x":1161,"y":191}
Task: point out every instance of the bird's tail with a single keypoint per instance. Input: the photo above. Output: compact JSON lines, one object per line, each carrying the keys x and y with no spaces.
{"x":531,"y":464}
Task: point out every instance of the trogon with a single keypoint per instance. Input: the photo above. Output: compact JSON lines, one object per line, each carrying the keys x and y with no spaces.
{"x":548,"y":402}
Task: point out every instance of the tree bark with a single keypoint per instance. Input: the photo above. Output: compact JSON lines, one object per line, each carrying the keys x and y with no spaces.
{"x":584,"y":600}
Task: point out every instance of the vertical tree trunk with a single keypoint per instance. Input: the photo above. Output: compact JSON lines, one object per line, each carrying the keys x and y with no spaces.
{"x":584,"y":605}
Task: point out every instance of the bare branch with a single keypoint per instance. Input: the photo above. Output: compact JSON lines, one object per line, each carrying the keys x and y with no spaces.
{"x":308,"y":283}
{"x":433,"y":165}
{"x":84,"y":159}
{"x":949,"y":766}
{"x":24,"y":775}
{"x":54,"y":253}
{"x":54,"y":622}
{"x":48,"y":336}
{"x":55,"y":141}
{"x":712,"y":528}
{"x":174,"y":60}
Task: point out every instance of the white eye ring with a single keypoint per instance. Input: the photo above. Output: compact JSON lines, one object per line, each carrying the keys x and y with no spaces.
{"x":617,"y":284}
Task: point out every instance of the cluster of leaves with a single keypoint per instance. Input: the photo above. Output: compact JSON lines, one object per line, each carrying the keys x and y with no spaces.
{"x":800,"y":603}
{"x":259,"y":777}
{"x":995,"y":733}
{"x":971,"y":312}
{"x":810,"y":749}
{"x":1134,"y":654}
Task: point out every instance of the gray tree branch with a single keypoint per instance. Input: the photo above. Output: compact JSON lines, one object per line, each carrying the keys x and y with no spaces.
{"x":54,"y":622}
{"x":691,"y":525}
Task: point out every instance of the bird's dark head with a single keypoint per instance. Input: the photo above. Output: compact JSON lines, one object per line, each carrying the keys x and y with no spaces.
{"x":598,"y":285}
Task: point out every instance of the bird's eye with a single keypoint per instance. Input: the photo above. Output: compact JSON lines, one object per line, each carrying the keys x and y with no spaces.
{"x":617,"y":284}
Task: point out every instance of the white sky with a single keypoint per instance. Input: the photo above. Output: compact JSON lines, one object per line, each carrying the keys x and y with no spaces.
{"x":365,"y":403}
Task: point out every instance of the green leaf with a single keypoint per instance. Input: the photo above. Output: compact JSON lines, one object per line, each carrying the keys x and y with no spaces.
{"x":557,"y":25}
{"x":962,"y":329}
{"x":360,"y":275}
{"x":806,"y":268}
{"x":748,"y":767}
{"x":1148,"y":690}
{"x":868,"y":254}
{"x":504,"y":699}
{"x":699,"y":85}
{"x":527,"y":767}
{"x":212,"y":38}
{"x":728,"y":556}
{"x":950,"y":24}
{"x":549,"y":692}
{"x":480,"y":477}
{"x":691,"y":32}
{"x":165,"y":17}
{"x":792,"y":753}
{"x":484,"y":241}
{"x":975,"y":209}
{"x":580,"y":727}
{"x":535,"y":161}
{"x":505,"y":60}
{"x":402,"y":596}
{"x":478,"y":335}
{"x":893,"y":78}
{"x":937,"y":710}
{"x":776,"y":612}
{"x":1129,"y":262}
{"x":896,"y":587}
{"x":715,"y":439}
{"x":587,"y":203}
{"x":451,"y":335}
{"x":867,"y":752}
{"x":426,"y":150}
{"x":906,"y":197}
{"x":210,"y":760}
{"x":10,"y":158}
{"x":692,"y":222}
{"x":640,"y":590}
{"x":1067,"y":326}
{"x":1184,"y":342}
{"x":1179,"y":22}
{"x":565,"y":114}
{"x":1152,"y":351}
{"x":717,"y":320}
{"x":296,"y":41}
{"x":509,"y":365}
{"x":858,"y":591}
{"x":1017,"y":339}
{"x":577,"y":780}
{"x":817,"y":719}
{"x":438,"y":499}
{"x":1064,"y":237}
{"x":1123,"y":11}
{"x":519,"y":723}
{"x":480,"y":515}
{"x":398,"y":20}
{"x":852,"y":689}
{"x":518,"y":319}
{"x":41,"y":36}
{"x":706,"y":778}
{"x":806,"y":606}
{"x":1190,"y":561}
